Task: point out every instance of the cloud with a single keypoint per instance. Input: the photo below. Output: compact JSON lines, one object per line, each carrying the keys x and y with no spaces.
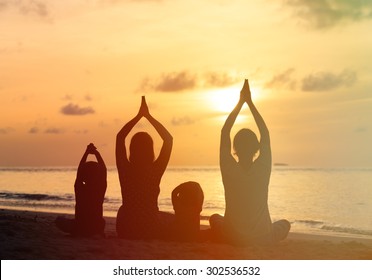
{"x":68,"y":97}
{"x":84,"y":131}
{"x":182,"y":121}
{"x":320,"y":81}
{"x":327,"y":13}
{"x":53,"y":130}
{"x":6,"y":130}
{"x":88,"y":97}
{"x":76,"y":110}
{"x":361,"y":129}
{"x":324,"y":81}
{"x":184,"y":80}
{"x":219,"y":79}
{"x":33,"y":130}
{"x":27,"y":7}
{"x":283,"y":80}
{"x":170,"y":82}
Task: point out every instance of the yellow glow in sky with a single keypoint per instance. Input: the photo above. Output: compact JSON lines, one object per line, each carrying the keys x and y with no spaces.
{"x":73,"y":72}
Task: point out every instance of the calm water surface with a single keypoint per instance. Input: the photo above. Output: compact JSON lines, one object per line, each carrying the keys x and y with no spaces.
{"x":323,"y":201}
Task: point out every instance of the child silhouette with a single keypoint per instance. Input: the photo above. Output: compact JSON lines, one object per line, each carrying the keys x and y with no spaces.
{"x":90,"y":188}
{"x":187,"y":200}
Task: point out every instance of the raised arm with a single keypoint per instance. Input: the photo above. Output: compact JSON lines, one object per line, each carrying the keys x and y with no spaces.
{"x":82,"y":161}
{"x":120,"y":149}
{"x":265,"y":148}
{"x":225,"y":145}
{"x":91,"y":149}
{"x":264,"y":131}
{"x":167,"y":138}
{"x":99,"y":158}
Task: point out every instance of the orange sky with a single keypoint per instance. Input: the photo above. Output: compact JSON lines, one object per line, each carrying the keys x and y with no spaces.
{"x":73,"y":72}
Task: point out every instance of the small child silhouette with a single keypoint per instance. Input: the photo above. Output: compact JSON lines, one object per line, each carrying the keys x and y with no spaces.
{"x":187,"y":200}
{"x":90,"y":188}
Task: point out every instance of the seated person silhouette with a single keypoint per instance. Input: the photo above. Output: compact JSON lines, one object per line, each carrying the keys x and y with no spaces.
{"x":90,"y":188}
{"x":140,"y":174}
{"x":187,"y":200}
{"x":246,"y":182}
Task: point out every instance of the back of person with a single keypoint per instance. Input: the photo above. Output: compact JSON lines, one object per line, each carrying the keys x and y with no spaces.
{"x":89,"y":200}
{"x":246,"y":195}
{"x":140,"y":174}
{"x":138,"y":216}
{"x":246,"y":181}
{"x":187,"y":200}
{"x":90,"y":188}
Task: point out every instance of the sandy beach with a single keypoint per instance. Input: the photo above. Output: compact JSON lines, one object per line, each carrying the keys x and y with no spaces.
{"x":33,"y":236}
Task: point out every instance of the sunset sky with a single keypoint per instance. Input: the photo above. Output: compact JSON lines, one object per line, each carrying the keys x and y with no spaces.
{"x":73,"y":72}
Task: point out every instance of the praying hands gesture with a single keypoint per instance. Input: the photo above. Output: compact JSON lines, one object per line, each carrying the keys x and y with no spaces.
{"x":144,"y":109}
{"x":245,"y":93}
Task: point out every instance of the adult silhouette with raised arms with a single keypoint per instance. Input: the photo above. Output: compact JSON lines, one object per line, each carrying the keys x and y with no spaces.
{"x":140,"y":175}
{"x":90,"y":188}
{"x":246,"y":181}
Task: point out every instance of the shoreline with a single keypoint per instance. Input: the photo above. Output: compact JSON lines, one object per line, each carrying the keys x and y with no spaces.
{"x":204,"y":224}
{"x":33,"y":236}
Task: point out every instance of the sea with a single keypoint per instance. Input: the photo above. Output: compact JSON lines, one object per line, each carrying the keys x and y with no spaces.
{"x":328,"y":201}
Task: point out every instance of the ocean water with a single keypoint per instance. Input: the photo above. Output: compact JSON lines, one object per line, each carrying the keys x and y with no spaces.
{"x":314,"y":200}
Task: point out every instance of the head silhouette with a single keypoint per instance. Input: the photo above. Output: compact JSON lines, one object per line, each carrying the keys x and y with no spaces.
{"x":246,"y":144}
{"x":141,"y":149}
{"x":188,"y":197}
{"x":91,"y":173}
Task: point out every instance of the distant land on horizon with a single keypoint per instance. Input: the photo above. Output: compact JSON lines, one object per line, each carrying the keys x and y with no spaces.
{"x":280,"y":164}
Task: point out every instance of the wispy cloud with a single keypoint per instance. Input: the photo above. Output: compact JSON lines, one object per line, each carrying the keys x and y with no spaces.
{"x":219,"y":79}
{"x":76,"y":110}
{"x":6,"y":130}
{"x":283,"y":80}
{"x":33,"y":130}
{"x":319,"y":81}
{"x":53,"y":130}
{"x":27,"y":7}
{"x":170,"y":82}
{"x":324,"y":81}
{"x":361,"y":129}
{"x":185,"y":80}
{"x":182,"y":121}
{"x":83,"y":131}
{"x":327,"y":13}
{"x":88,"y":97}
{"x":68,"y":97}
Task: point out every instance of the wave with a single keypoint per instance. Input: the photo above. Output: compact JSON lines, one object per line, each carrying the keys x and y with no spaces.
{"x":10,"y":196}
{"x":37,"y":169}
{"x":335,"y":229}
{"x":348,"y":230}
{"x":35,"y":196}
{"x":310,"y":222}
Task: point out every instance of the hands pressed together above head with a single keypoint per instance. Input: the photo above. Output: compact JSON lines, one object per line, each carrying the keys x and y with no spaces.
{"x":91,"y":149}
{"x":245,"y":93}
{"x":144,"y":109}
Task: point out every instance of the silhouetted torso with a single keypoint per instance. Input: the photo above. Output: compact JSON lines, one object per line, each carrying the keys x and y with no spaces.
{"x":90,"y":188}
{"x":187,"y":200}
{"x":89,"y":207}
{"x":246,"y":194}
{"x":140,"y":190}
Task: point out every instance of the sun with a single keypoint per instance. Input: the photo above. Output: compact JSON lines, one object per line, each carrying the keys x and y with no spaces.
{"x":224,"y":100}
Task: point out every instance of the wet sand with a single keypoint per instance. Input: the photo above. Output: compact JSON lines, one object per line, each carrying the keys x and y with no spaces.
{"x":33,"y":236}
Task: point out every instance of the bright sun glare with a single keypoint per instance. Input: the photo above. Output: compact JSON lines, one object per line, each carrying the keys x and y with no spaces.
{"x":224,"y":100}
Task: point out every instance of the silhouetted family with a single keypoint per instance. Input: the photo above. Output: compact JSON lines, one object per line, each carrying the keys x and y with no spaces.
{"x":246,"y":182}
